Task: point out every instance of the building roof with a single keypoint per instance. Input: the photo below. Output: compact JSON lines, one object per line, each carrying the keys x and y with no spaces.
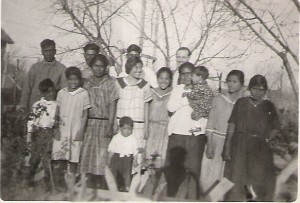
{"x":5,"y":37}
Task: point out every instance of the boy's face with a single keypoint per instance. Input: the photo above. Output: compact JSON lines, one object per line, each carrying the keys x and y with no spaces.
{"x":132,"y":53}
{"x":196,"y":78}
{"x":182,"y":56}
{"x":50,"y":94}
{"x":89,"y":56}
{"x":49,"y":53}
{"x":126,"y":130}
{"x":99,"y":69}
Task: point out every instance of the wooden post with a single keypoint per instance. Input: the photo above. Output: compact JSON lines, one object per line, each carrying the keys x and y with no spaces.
{"x":141,"y":42}
{"x":5,"y":69}
{"x":220,"y":82}
{"x":15,"y":85}
{"x":155,"y":37}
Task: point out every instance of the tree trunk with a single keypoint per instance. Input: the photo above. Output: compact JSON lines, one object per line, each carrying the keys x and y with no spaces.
{"x":289,"y":71}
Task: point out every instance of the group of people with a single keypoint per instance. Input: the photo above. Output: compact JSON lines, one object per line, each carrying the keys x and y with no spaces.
{"x":105,"y":115}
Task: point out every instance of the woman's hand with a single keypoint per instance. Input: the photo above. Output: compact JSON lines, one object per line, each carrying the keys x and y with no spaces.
{"x":146,"y":133}
{"x":79,"y":135}
{"x":56,"y":133}
{"x":210,"y":152}
{"x":226,"y":154}
{"x":109,"y":131}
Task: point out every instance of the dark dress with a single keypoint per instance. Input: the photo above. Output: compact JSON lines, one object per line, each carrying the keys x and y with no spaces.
{"x":252,"y":159}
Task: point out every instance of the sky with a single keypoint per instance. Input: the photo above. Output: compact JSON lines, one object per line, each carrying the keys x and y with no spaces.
{"x":29,"y":22}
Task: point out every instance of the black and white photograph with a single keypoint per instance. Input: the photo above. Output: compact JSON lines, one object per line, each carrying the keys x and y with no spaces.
{"x":149,"y":100}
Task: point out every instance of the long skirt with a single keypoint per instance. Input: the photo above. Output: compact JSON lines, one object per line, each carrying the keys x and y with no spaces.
{"x":252,"y":165}
{"x":94,"y":153}
{"x":157,"y":143}
{"x":212,"y":170}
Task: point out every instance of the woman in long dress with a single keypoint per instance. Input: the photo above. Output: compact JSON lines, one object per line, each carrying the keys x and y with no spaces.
{"x":212,"y":163}
{"x":103,"y":94}
{"x":247,"y":152}
{"x":157,"y":142}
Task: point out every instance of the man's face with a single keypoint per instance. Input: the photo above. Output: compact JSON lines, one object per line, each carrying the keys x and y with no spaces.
{"x":89,"y":56}
{"x":181,"y":57}
{"x":49,"y":53}
{"x":132,"y":53}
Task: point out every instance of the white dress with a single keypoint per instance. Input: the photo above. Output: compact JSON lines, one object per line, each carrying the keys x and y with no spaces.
{"x":71,"y":107}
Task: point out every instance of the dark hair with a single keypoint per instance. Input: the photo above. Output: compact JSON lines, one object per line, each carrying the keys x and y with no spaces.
{"x":186,"y":49}
{"x":73,"y":71}
{"x":131,"y":62}
{"x":186,"y":65}
{"x":167,"y":70}
{"x":134,"y":47}
{"x":237,"y":73}
{"x":126,"y":121}
{"x":102,"y":58}
{"x":201,"y":70}
{"x":91,"y":46}
{"x":47,"y":43}
{"x":258,"y":80}
{"x":45,"y":85}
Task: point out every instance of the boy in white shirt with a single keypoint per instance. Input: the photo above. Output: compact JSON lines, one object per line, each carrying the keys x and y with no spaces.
{"x":122,"y":151}
{"x":40,"y":127}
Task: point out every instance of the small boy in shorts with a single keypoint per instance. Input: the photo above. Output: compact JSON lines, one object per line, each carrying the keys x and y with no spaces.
{"x":122,"y":151}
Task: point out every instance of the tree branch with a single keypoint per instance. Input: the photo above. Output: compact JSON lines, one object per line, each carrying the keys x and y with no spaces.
{"x":270,"y":31}
{"x":165,"y":32}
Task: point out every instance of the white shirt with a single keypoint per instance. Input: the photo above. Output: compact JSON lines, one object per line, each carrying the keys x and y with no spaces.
{"x":148,"y":75}
{"x":42,"y":114}
{"x":175,"y":78}
{"x":181,"y":121}
{"x":86,"y":71}
{"x":125,"y":146}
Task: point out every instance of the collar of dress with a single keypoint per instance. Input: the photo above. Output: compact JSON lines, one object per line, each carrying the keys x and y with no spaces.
{"x":52,"y":63}
{"x":105,"y":78}
{"x":160,"y":96}
{"x":46,"y":101}
{"x":123,"y":83}
{"x":79,"y":90}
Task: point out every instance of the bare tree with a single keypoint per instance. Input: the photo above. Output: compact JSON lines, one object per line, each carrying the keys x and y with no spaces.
{"x":195,"y":24}
{"x":91,"y":19}
{"x":269,"y":27}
